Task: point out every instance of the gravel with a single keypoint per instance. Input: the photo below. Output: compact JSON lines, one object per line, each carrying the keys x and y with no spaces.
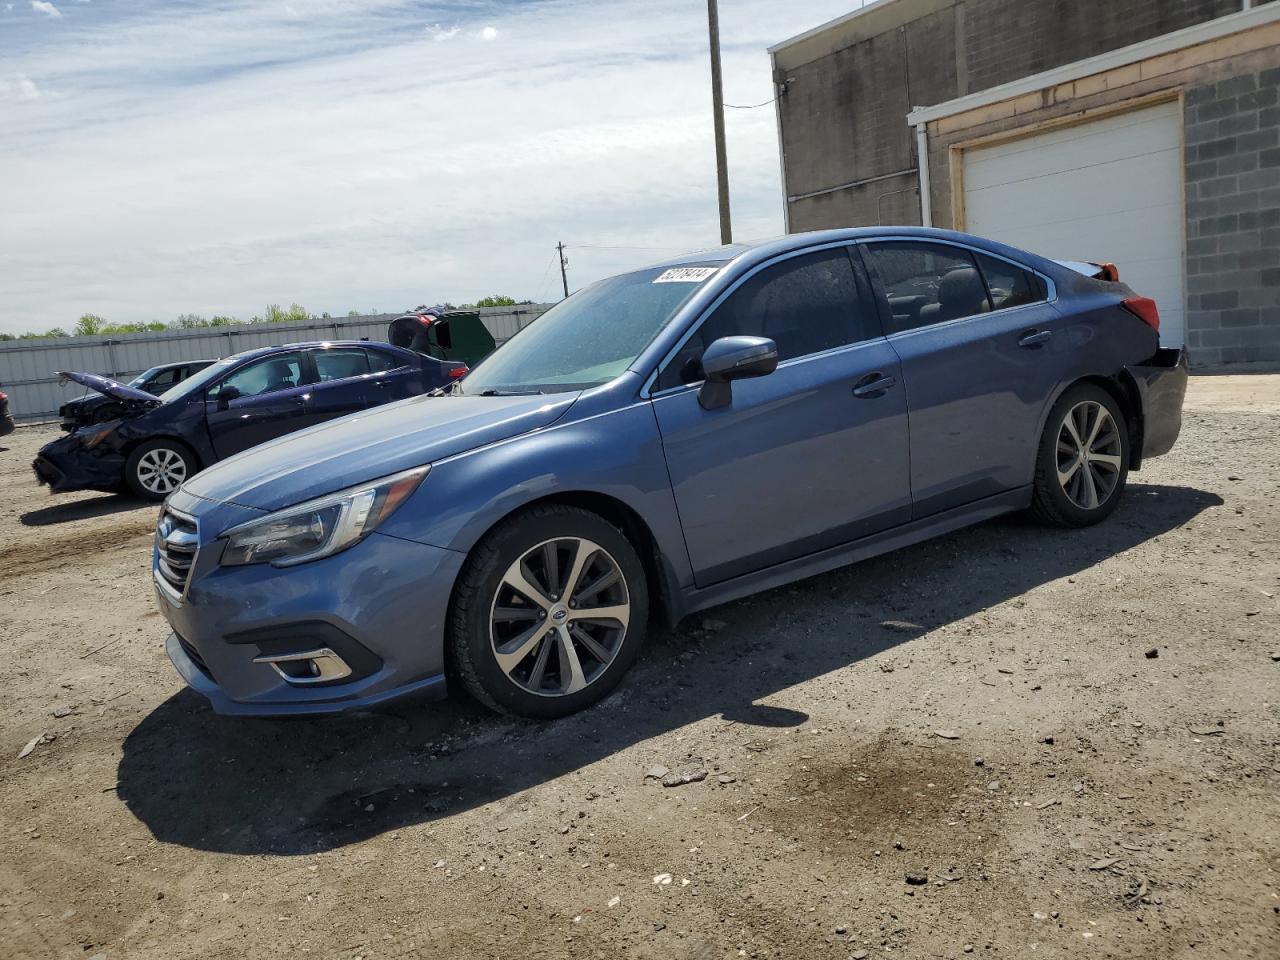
{"x":824,"y":698}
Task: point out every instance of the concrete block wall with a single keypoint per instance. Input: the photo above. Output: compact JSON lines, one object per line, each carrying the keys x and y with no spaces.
{"x":848,"y":90}
{"x":1232,"y":175}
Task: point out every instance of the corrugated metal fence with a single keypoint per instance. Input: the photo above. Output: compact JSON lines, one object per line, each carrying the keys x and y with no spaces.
{"x":28,"y":368}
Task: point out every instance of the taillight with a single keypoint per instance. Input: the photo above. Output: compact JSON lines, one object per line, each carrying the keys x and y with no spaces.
{"x":1144,"y":308}
{"x":457,"y":373}
{"x":3,"y":395}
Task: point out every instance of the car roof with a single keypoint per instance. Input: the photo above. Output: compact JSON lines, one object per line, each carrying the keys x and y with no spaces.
{"x":313,"y":345}
{"x":179,"y":363}
{"x":758,"y":250}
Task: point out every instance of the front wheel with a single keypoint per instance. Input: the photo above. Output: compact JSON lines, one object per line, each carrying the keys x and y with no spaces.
{"x":1083,"y":460}
{"x":157,"y":468}
{"x":549,"y":612}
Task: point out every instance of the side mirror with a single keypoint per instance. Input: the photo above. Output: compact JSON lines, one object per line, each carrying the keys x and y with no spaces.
{"x":734,"y":358}
{"x":226,"y":395}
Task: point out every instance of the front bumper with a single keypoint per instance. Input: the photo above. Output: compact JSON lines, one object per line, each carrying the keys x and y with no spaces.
{"x":385,"y":598}
{"x":67,"y":464}
{"x":1162,"y":386}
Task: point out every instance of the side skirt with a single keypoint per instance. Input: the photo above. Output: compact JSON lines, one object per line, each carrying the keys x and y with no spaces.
{"x":887,"y":540}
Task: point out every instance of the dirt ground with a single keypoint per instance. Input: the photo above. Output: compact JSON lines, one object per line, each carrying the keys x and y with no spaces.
{"x":1069,"y":739}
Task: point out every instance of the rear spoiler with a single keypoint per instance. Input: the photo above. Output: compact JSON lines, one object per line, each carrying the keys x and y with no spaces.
{"x":1095,"y":271}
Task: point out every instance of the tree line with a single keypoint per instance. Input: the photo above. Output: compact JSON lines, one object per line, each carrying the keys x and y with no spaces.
{"x":92,"y":325}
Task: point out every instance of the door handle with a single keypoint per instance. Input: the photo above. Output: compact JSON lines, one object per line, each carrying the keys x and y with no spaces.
{"x":1034,"y":338}
{"x":872,"y":385}
{"x":300,"y":399}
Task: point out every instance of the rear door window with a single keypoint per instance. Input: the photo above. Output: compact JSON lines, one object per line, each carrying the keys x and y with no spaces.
{"x":805,"y":304}
{"x":380,"y":362}
{"x":339,"y":363}
{"x":926,"y":283}
{"x":1010,"y":285}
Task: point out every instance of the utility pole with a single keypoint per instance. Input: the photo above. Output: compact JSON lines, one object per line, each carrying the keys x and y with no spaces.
{"x":564,"y":277}
{"x":717,"y":104}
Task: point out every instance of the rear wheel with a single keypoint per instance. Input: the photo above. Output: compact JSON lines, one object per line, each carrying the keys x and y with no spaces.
{"x":157,"y":468}
{"x":549,"y":612}
{"x":1083,"y":460}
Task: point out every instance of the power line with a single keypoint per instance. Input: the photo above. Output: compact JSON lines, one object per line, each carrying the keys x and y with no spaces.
{"x":610,"y":246}
{"x":542,"y":284}
{"x":750,"y":106}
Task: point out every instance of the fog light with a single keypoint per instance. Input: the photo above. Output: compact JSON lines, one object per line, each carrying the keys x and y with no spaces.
{"x":308,"y":666}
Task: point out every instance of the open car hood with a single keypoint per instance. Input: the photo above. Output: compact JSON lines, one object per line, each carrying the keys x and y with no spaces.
{"x":111,"y":388}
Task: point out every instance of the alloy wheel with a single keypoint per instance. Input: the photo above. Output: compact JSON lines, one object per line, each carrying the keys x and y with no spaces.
{"x":559,"y":616}
{"x":161,"y":470}
{"x":1089,"y":452}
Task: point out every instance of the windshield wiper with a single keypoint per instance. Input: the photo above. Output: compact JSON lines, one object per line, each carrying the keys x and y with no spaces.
{"x":510,"y":393}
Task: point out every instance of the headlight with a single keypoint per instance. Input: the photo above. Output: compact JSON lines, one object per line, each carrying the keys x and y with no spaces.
{"x":319,"y":528}
{"x":91,"y":440}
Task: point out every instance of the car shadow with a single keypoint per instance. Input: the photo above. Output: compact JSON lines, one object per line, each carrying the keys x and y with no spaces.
{"x":85,"y":509}
{"x":284,"y":788}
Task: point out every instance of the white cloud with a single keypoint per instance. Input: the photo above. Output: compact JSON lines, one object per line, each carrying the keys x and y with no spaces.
{"x":20,"y":88}
{"x":48,"y":9}
{"x":489,"y":33}
{"x":224,"y":156}
{"x":440,"y":34}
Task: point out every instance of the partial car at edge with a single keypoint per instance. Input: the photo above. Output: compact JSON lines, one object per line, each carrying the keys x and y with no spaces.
{"x":658,"y":443}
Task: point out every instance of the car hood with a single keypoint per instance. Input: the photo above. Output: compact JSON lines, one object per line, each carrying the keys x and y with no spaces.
{"x":371,"y":444}
{"x":110,"y":388}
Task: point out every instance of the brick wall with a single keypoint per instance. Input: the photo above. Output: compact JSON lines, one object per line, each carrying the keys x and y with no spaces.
{"x":1233,"y":219}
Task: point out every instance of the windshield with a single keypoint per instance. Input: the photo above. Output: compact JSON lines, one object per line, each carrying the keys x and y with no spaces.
{"x":197,"y":381}
{"x":592,"y":337}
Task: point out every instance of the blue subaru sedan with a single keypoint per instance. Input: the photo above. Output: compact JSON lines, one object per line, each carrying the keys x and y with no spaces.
{"x":660,"y":442}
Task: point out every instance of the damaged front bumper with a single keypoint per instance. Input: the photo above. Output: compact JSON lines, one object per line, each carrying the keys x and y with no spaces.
{"x":67,"y":464}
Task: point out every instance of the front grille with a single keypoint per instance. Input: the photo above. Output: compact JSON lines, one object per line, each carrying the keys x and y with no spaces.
{"x":176,"y":542}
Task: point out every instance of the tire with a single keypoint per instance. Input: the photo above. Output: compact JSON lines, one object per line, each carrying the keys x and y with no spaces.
{"x":1071,"y":491}
{"x":156,"y":468}
{"x":508,"y":647}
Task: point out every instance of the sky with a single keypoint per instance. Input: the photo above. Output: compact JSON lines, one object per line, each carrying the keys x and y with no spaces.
{"x":159,"y":158}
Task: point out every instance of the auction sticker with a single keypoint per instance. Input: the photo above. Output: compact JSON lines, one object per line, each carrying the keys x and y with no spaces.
{"x":686,"y":274}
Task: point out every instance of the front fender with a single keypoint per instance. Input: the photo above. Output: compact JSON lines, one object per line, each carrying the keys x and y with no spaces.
{"x":617,"y":453}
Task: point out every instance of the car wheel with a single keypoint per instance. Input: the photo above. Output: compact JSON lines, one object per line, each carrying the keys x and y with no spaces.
{"x":157,"y":468}
{"x":549,"y":612}
{"x":1083,"y":460}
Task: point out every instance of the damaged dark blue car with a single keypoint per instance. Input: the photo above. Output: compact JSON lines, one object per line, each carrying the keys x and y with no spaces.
{"x":231,"y":405}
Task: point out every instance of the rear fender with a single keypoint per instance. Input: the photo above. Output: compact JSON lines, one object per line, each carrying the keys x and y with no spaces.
{"x":1161,"y":384}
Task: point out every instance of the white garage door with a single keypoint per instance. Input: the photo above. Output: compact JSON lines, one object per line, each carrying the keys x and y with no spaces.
{"x":1107,"y":190}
